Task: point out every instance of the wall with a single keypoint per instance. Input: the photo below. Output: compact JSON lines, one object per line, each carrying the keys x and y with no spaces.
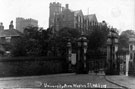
{"x":32,"y":66}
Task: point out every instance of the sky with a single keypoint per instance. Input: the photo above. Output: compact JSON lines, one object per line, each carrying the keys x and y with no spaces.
{"x":117,"y":13}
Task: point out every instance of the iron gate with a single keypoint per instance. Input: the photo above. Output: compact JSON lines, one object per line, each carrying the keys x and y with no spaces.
{"x":96,"y":65}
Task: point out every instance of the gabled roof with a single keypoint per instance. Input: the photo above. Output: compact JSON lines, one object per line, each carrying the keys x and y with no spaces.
{"x":9,"y":33}
{"x":78,"y":12}
{"x":91,"y":17}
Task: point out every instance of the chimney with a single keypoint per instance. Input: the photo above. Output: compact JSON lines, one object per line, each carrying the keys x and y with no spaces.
{"x":11,"y":26}
{"x":1,"y":26}
{"x":67,"y":6}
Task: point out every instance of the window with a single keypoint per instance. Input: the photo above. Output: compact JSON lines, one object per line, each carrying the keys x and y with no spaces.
{"x":131,"y":47}
{"x":8,"y":39}
{"x":131,"y":57}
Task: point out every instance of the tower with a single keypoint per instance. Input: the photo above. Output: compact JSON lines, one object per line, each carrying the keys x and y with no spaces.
{"x":19,"y":24}
{"x":55,"y":9}
{"x":22,"y":23}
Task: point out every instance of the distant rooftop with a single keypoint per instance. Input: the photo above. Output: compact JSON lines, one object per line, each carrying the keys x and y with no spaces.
{"x":9,"y":33}
{"x":91,"y":17}
{"x":78,"y":12}
{"x":26,"y":18}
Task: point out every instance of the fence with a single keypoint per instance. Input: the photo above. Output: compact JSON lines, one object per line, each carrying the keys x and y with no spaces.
{"x":96,"y":65}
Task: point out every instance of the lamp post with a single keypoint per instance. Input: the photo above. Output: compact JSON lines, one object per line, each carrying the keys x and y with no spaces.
{"x":81,"y":58}
{"x":112,"y":48}
{"x":69,"y":46}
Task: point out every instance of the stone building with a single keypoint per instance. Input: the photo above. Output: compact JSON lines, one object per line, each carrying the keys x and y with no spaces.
{"x":8,"y":37}
{"x":22,"y":23}
{"x":132,"y":55}
{"x":55,"y":9}
{"x":60,"y":17}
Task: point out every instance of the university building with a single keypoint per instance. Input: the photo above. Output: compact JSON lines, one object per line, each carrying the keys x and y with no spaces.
{"x":60,"y":17}
{"x":22,"y":23}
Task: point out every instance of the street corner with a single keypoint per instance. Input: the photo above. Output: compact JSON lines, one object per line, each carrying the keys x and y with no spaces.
{"x":38,"y":84}
{"x":120,"y":81}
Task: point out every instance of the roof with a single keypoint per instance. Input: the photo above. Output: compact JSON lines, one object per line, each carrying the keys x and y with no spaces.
{"x":78,"y":12}
{"x":91,"y":17}
{"x":9,"y":33}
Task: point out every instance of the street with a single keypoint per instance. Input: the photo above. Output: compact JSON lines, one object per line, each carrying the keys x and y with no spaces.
{"x":58,"y":81}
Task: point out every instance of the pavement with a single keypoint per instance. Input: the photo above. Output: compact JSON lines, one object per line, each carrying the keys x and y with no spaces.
{"x":31,"y":77}
{"x":123,"y":80}
{"x":68,"y":80}
{"x":113,"y":81}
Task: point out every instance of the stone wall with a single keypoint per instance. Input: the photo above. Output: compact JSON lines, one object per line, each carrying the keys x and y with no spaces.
{"x":32,"y":66}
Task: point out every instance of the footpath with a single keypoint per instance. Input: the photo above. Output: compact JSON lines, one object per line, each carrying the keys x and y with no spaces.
{"x":31,"y":77}
{"x":123,"y":80}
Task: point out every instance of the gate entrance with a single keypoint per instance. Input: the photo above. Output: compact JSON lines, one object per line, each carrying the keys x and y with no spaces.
{"x":96,"y":66}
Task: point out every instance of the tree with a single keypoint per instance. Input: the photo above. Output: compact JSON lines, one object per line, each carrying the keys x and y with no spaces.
{"x":97,"y":40}
{"x":34,"y":42}
{"x":124,"y":40}
{"x":62,"y":37}
{"x":19,"y":48}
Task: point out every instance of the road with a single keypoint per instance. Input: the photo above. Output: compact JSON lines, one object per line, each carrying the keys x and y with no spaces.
{"x":59,"y":81}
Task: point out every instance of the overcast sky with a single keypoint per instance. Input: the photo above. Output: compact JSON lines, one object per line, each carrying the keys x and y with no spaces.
{"x":117,"y":13}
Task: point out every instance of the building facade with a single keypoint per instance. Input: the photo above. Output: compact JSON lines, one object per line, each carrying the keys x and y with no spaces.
{"x":22,"y":23}
{"x":60,"y":17}
{"x":7,"y":38}
{"x":132,"y":55}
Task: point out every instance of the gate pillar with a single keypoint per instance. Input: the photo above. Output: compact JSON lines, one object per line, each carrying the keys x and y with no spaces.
{"x":81,"y":66}
{"x":112,"y":49}
{"x":69,"y":46}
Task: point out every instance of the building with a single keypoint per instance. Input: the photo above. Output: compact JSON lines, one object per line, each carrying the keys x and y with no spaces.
{"x":55,"y":8}
{"x":132,"y":55}
{"x":7,"y":37}
{"x":22,"y":23}
{"x":60,"y":17}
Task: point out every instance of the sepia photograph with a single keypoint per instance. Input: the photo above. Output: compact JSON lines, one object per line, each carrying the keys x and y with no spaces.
{"x":67,"y":44}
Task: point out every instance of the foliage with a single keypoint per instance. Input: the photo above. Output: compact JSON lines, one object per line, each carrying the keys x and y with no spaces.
{"x":128,"y":33}
{"x":19,"y":48}
{"x":38,"y":42}
{"x":97,"y":40}
{"x":124,"y":39}
{"x":34,"y":42}
{"x":59,"y":41}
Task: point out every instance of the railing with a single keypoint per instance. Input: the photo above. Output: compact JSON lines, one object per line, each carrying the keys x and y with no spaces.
{"x":97,"y":65}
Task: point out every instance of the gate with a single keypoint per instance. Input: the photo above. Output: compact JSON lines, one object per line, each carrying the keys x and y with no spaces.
{"x":96,"y":65}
